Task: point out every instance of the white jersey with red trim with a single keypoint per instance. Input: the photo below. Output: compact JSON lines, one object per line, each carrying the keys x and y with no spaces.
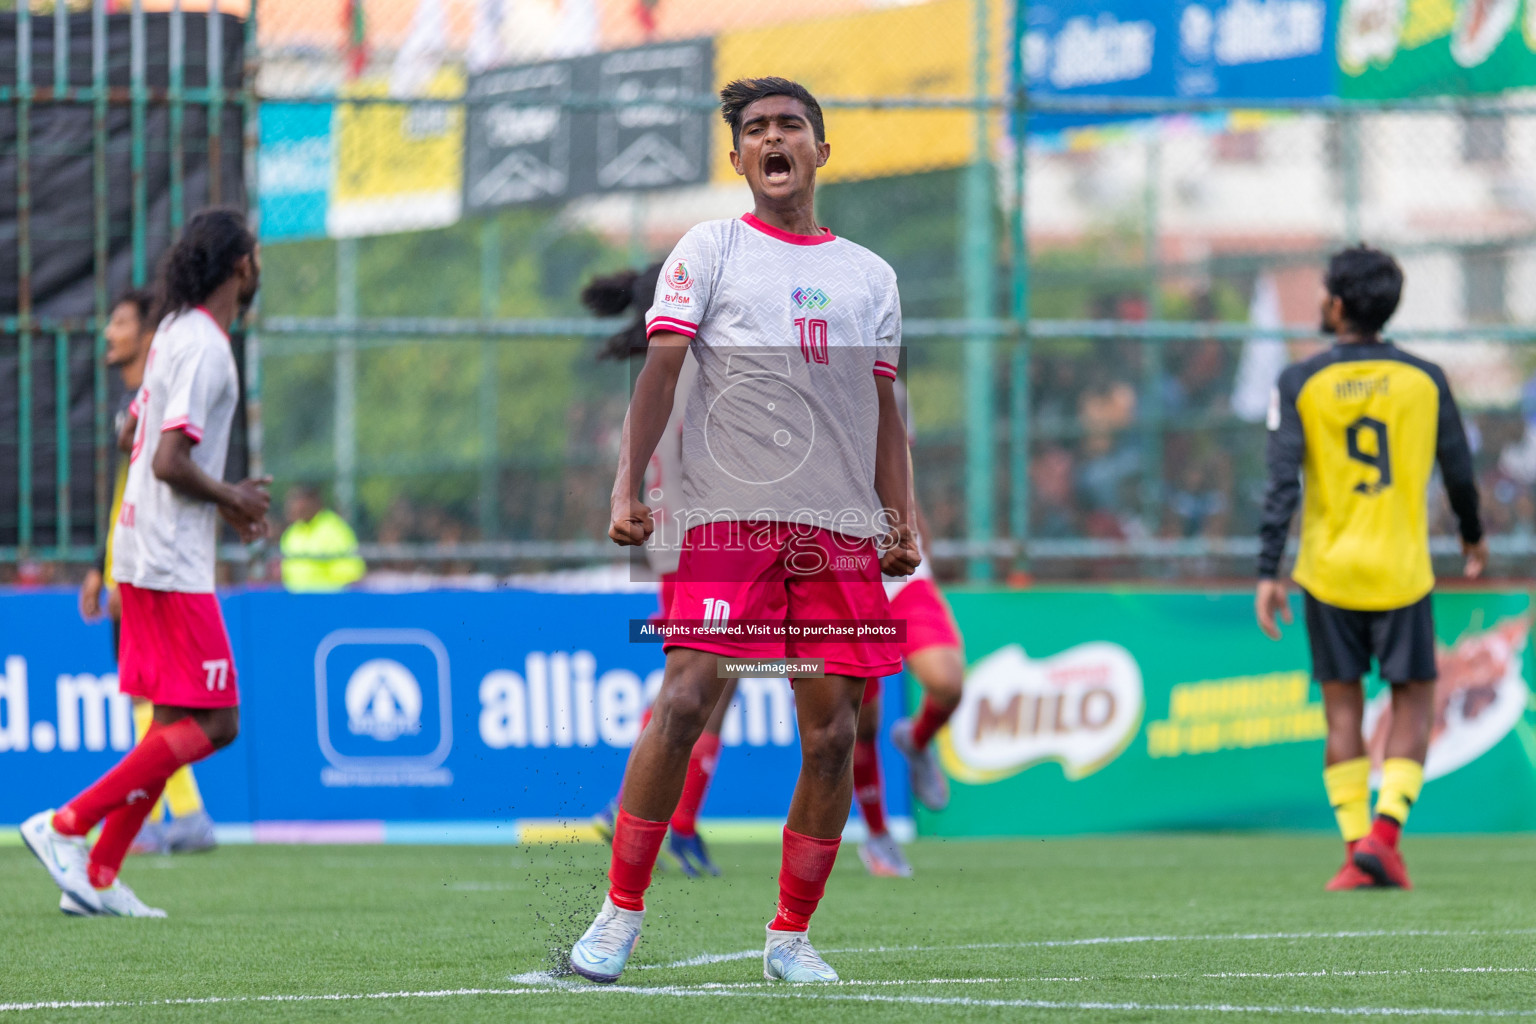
{"x":165,"y":540}
{"x":789,"y":332}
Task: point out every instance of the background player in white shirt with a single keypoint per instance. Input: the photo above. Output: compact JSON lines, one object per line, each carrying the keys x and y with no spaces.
{"x":795,"y":466}
{"x":175,"y":651}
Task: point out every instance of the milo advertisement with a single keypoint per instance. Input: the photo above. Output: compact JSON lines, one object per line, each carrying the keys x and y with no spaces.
{"x":1389,"y":49}
{"x":1102,"y":711}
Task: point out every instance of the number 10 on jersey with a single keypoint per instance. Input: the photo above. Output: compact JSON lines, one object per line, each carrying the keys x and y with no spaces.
{"x":813,"y":339}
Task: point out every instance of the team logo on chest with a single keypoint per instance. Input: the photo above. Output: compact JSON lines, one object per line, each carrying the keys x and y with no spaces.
{"x":679,"y":278}
{"x":810,"y":298}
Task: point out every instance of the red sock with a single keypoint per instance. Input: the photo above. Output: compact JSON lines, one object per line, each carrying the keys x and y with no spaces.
{"x":866,"y":785}
{"x":930,"y":719}
{"x":164,"y":749}
{"x":636,"y":845}
{"x":1386,"y":830}
{"x":118,"y":831}
{"x":701,"y":769}
{"x":803,"y":872}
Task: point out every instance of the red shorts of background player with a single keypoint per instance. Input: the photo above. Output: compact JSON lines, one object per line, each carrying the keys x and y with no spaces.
{"x":929,"y":621}
{"x":769,"y":572}
{"x":175,"y":650}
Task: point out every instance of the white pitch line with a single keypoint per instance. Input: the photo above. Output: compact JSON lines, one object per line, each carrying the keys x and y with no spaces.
{"x":1353,"y":974}
{"x":1105,"y":940}
{"x":816,"y":993}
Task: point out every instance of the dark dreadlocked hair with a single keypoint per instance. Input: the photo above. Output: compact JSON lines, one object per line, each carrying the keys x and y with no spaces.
{"x":211,"y":244}
{"x":612,"y":294}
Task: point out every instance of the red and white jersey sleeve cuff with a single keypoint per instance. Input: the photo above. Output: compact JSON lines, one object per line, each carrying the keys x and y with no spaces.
{"x":184,"y":425}
{"x":671,"y":323}
{"x":884,"y":369}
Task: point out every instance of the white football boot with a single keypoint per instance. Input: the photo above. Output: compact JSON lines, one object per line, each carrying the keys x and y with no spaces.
{"x":927,"y":778}
{"x":883,"y":857}
{"x":119,"y":901}
{"x":71,"y":907}
{"x":789,"y":957}
{"x":65,"y":857}
{"x":601,"y":953}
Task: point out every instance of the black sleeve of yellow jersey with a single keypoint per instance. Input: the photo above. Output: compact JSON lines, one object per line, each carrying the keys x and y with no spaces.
{"x":1282,"y":456}
{"x":1455,"y":458}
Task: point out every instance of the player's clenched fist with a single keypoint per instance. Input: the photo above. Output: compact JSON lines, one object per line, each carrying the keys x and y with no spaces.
{"x":632,"y":523}
{"x":901,"y":558}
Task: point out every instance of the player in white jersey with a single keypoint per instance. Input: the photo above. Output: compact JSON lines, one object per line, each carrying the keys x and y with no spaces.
{"x":795,"y":473}
{"x":611,"y":295}
{"x":175,"y":651}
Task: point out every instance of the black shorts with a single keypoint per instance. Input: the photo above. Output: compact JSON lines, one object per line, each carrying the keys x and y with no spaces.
{"x":1402,"y":640}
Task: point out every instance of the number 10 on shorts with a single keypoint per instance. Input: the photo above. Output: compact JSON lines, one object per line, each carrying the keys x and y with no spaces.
{"x":716,"y":612}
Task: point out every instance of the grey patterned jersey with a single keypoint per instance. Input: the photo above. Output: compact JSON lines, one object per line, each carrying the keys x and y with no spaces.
{"x":789,"y":332}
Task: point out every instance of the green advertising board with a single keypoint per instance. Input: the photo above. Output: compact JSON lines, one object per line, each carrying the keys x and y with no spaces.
{"x":1390,"y":49}
{"x":1122,"y":710}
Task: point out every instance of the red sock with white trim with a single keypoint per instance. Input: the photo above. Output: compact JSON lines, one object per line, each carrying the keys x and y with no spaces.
{"x":118,"y":831}
{"x":930,"y":719}
{"x":144,"y":769}
{"x":701,"y":769}
{"x":803,"y":870}
{"x":867,"y":789}
{"x":636,"y":845}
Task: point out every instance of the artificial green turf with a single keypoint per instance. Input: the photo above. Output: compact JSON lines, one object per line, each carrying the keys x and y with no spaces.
{"x":262,"y":921}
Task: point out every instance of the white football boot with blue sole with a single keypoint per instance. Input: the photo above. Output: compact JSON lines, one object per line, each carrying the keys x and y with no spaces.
{"x":601,"y":954}
{"x":65,"y":857}
{"x":789,"y":957}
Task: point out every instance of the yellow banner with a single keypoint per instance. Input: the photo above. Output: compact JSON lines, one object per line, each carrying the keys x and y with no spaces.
{"x":399,"y":166}
{"x":923,"y":50}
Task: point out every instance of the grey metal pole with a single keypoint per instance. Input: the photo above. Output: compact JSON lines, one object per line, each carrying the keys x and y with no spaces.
{"x":346,"y":380}
{"x":977,"y":276}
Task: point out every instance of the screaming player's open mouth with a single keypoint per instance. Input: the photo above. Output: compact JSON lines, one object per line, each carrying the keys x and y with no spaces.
{"x":776,"y":168}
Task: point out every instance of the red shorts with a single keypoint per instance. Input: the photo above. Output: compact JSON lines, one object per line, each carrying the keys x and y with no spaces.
{"x":930,"y":623}
{"x":175,"y":651}
{"x":769,"y":572}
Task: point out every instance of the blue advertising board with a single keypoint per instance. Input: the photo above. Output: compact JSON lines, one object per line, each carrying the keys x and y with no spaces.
{"x":1184,"y":49}
{"x":431,"y":707}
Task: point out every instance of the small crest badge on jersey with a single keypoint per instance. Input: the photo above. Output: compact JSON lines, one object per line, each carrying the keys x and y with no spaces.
{"x":810,"y":298}
{"x":678,"y":277}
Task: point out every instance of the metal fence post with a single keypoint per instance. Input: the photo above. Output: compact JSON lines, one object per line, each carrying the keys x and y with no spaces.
{"x":346,"y":380}
{"x":1153,"y":423}
{"x":1349,"y":159}
{"x":977,"y":282}
{"x":490,"y":296}
{"x":24,"y":272}
{"x":1019,"y":370}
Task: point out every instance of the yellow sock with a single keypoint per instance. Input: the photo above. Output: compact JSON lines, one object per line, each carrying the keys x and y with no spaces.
{"x":1349,"y":791}
{"x":1401,"y":780}
{"x":143,"y":717}
{"x":182,"y":794}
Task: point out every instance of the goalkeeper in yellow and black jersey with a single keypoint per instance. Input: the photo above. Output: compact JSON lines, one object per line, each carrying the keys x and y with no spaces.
{"x":1355,"y":433}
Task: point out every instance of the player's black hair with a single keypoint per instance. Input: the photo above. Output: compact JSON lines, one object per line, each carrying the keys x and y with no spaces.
{"x":612,"y":294}
{"x":142,"y":300}
{"x":742,"y":93}
{"x":211,"y":244}
{"x":1369,"y":282}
